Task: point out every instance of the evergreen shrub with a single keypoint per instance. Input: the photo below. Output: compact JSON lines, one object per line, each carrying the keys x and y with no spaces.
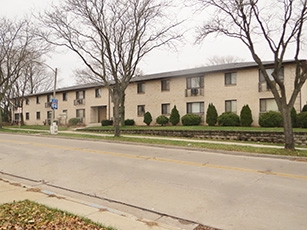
{"x":174,"y":117}
{"x":294,"y":118}
{"x":106,"y":122}
{"x":147,"y":118}
{"x":304,"y":108}
{"x":246,"y":118}
{"x":211,"y":115}
{"x":162,"y":120}
{"x":271,"y":119}
{"x":228,"y":119}
{"x":190,"y":119}
{"x":129,"y":122}
{"x":302,"y":120}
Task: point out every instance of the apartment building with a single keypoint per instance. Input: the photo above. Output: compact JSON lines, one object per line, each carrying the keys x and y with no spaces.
{"x":229,"y":87}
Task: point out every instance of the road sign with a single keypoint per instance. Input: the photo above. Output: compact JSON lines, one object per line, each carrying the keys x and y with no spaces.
{"x":54,"y":103}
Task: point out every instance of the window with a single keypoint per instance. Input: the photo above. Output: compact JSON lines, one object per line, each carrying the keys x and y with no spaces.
{"x":27,"y":101}
{"x":165,"y":85}
{"x":195,"y":82}
{"x":231,"y":106}
{"x":38,"y":115}
{"x":64,"y":96}
{"x":97,"y":92}
{"x":49,"y":98}
{"x":141,"y":110}
{"x":195,"y":107}
{"x":80,"y":113}
{"x":230,"y":78}
{"x":27,"y":116}
{"x":49,"y":115}
{"x":141,"y":88}
{"x":165,"y":109}
{"x":269,"y":72}
{"x":37,"y":100}
{"x":267,"y":105}
{"x":80,"y":94}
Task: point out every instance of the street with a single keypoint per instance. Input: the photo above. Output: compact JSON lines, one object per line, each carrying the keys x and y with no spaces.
{"x":221,"y":190}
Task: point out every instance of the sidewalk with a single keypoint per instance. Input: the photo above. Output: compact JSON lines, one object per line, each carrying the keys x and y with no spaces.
{"x":188,"y":140}
{"x":11,"y":191}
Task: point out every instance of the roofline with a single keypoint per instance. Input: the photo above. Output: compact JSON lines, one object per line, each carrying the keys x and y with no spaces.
{"x":192,"y":72}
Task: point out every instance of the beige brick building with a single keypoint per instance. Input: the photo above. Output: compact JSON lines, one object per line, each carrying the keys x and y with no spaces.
{"x":229,"y":87}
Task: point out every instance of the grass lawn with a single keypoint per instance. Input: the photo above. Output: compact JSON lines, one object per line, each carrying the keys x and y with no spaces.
{"x":167,"y":142}
{"x":31,"y":215}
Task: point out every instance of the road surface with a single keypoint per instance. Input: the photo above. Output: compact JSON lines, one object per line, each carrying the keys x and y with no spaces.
{"x":225,"y":191}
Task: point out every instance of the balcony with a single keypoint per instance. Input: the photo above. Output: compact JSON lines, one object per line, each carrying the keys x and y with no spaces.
{"x":194,"y":92}
{"x":48,"y":104}
{"x":79,"y":102}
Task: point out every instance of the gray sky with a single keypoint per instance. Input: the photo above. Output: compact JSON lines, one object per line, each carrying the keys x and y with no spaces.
{"x":187,"y":55}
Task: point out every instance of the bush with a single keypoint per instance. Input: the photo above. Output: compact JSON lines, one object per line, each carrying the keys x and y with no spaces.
{"x":162,"y":120}
{"x":294,"y":118}
{"x":74,"y":121}
{"x":228,"y":119}
{"x":301,"y":120}
{"x":147,"y":118}
{"x":175,"y":117}
{"x":246,"y":118}
{"x":211,"y":117}
{"x":271,"y":119}
{"x":304,"y":108}
{"x":106,"y":122}
{"x":190,"y":119}
{"x":129,"y":122}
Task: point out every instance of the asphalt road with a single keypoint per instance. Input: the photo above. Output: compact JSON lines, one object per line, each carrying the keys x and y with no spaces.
{"x":216,"y":189}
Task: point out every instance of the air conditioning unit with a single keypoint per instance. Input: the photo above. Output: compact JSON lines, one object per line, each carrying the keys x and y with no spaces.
{"x":194,"y":91}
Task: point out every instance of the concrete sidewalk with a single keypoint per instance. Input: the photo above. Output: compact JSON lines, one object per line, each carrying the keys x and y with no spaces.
{"x":11,"y":191}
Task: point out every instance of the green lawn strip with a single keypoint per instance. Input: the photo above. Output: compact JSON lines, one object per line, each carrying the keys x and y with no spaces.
{"x":31,"y":215}
{"x":202,"y":145}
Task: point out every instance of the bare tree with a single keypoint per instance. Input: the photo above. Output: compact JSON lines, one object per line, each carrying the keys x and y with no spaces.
{"x":217,"y":60}
{"x":111,"y":37}
{"x":17,"y":42}
{"x":280,"y":25}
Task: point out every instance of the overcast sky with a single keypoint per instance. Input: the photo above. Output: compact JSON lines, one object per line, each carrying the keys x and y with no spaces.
{"x":160,"y":60}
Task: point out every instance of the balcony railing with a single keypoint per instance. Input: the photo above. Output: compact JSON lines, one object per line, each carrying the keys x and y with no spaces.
{"x":194,"y":92}
{"x":79,"y":102}
{"x":48,"y":104}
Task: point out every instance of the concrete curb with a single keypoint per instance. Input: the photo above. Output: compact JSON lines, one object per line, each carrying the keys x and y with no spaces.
{"x":13,"y":191}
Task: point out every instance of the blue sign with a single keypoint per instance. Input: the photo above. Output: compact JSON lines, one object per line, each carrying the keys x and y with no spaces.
{"x":54,"y":103}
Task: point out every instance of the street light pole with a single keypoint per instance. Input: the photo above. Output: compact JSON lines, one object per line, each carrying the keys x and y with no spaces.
{"x":54,"y":92}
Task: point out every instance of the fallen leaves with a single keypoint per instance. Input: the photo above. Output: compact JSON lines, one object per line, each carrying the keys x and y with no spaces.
{"x":30,"y":215}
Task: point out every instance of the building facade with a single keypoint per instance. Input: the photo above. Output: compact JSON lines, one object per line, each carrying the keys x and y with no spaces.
{"x":229,"y":87}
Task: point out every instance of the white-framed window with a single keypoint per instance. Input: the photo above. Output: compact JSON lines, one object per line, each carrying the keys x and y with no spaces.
{"x":231,"y":106}
{"x":80,"y":113}
{"x":267,"y":105}
{"x":80,"y":94}
{"x":141,"y":88}
{"x":141,"y":110}
{"x":38,"y":115}
{"x":38,"y":100}
{"x":195,"y":107}
{"x":98,"y":92}
{"x":165,"y":109}
{"x":165,"y":85}
{"x":230,"y":78}
{"x":195,"y":82}
{"x":269,"y":71}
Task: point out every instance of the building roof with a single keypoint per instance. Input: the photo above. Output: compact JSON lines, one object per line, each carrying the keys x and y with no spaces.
{"x":193,"y":72}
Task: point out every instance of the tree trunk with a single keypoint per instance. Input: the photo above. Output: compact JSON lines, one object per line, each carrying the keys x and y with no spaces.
{"x":288,"y":129}
{"x":122,"y":110}
{"x":0,"y":118}
{"x":116,"y":115}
